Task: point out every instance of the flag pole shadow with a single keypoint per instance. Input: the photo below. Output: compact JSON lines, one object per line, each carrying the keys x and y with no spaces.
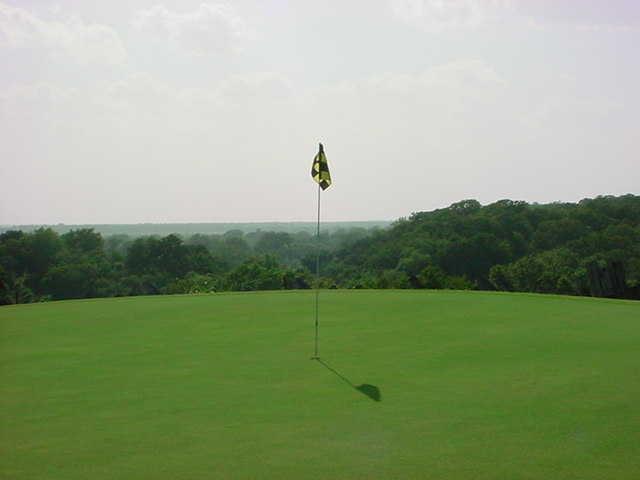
{"x":370,"y":391}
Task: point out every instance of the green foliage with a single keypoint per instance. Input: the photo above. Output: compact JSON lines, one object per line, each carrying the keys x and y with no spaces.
{"x":555,"y":271}
{"x":392,"y":279}
{"x":207,"y":229}
{"x":413,"y":262}
{"x":459,"y":283}
{"x":71,"y":280}
{"x":193,"y":283}
{"x":83,"y":241}
{"x":507,"y":245}
{"x":42,"y":250}
{"x":255,"y":274}
{"x":13,"y":289}
{"x":432,"y":277}
{"x":500,"y":278}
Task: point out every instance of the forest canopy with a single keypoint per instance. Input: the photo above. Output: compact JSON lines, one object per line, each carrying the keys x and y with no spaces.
{"x":507,"y":245}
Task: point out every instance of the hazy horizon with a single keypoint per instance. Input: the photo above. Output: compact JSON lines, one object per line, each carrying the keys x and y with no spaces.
{"x":276,"y":221}
{"x":195,"y":111}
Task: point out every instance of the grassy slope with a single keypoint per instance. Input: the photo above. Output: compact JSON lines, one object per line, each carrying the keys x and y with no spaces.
{"x":474,"y":385}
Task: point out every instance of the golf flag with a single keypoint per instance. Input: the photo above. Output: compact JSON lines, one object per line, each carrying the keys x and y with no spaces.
{"x":320,"y":169}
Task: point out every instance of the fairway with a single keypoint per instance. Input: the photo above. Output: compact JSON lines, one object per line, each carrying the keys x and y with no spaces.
{"x":472,"y":385}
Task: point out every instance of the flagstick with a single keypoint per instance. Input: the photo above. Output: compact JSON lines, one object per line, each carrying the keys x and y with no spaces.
{"x":315,"y":356}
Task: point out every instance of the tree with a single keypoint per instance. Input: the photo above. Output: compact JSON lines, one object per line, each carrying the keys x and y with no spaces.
{"x":392,"y":279}
{"x":83,"y":241}
{"x":256,"y":274}
{"x":413,"y":262}
{"x":14,"y":251}
{"x":193,"y":283}
{"x":71,"y":280}
{"x":277,"y":244}
{"x":142,"y":255}
{"x":432,"y":277}
{"x":13,"y":289}
{"x":43,"y":246}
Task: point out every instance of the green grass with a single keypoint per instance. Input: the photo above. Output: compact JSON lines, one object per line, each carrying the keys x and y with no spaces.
{"x":473,"y":386}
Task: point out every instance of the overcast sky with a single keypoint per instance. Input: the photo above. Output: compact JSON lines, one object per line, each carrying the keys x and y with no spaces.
{"x":181,"y":111}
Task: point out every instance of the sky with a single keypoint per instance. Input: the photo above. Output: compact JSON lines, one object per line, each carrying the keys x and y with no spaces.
{"x":196,"y":111}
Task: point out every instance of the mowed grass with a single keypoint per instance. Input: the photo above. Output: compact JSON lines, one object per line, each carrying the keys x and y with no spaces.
{"x":473,"y":386}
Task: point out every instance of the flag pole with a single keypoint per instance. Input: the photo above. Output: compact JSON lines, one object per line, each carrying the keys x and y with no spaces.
{"x":320,"y":173}
{"x":315,"y":356}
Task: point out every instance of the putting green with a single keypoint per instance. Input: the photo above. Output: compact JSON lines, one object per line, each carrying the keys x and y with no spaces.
{"x":412,"y":384}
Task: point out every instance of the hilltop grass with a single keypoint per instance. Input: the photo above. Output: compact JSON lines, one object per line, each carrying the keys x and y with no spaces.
{"x":473,"y":386}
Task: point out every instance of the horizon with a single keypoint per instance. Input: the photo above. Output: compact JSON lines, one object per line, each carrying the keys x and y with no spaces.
{"x":287,"y":222}
{"x":325,"y":224}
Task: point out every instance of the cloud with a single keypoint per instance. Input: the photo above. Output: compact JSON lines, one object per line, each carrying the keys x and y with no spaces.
{"x":462,"y":73}
{"x":438,"y":92}
{"x":265,"y":85}
{"x":209,"y":29}
{"x":555,"y":109}
{"x":38,"y":93}
{"x":143,"y":92}
{"x":447,"y":85}
{"x":445,"y":15}
{"x":619,"y":16}
{"x":140,"y":97}
{"x":70,"y":37}
{"x":33,"y":103}
{"x":140,"y":100}
{"x":439,"y":15}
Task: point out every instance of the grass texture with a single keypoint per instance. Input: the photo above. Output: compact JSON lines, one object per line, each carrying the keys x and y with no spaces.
{"x":411,"y":384}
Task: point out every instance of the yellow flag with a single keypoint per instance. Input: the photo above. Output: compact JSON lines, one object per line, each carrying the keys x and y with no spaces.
{"x":320,"y":169}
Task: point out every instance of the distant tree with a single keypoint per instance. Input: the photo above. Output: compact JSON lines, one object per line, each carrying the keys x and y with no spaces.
{"x":432,"y":277}
{"x":507,"y":245}
{"x":142,"y":256}
{"x":71,"y":280}
{"x":235,"y":250}
{"x":413,"y":262}
{"x":14,"y":253}
{"x":171,"y":256}
{"x":43,"y":246}
{"x":277,"y":244}
{"x":555,"y":233}
{"x":199,"y":260}
{"x":392,"y":279}
{"x":465,"y":207}
{"x":14,"y":289}
{"x":474,"y":256}
{"x":83,"y":241}
{"x":193,"y":283}
{"x":296,"y":279}
{"x":116,"y":245}
{"x":499,"y":277}
{"x":256,"y":274}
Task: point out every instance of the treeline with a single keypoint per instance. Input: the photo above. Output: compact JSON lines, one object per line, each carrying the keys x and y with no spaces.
{"x":507,"y":245}
{"x":210,"y":228}
{"x":43,"y":265}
